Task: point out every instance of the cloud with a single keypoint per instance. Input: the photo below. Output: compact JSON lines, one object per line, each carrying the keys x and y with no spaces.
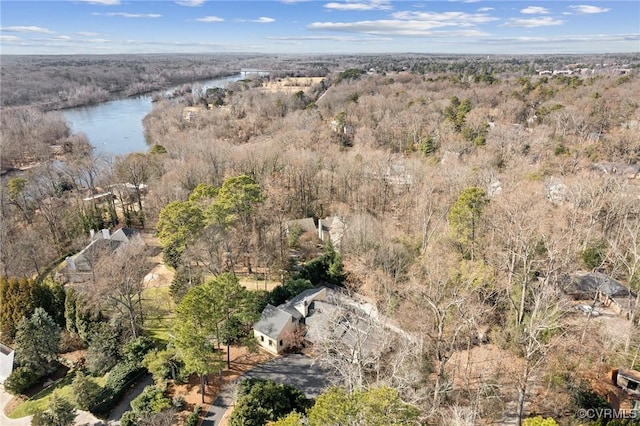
{"x":264,"y":20}
{"x":349,"y":39}
{"x":86,"y":34}
{"x":27,"y":29}
{"x":98,"y":40}
{"x":485,"y":9}
{"x":535,"y":10}
{"x":260,"y":20}
{"x":360,"y":5}
{"x":395,"y":27}
{"x":543,"y":21}
{"x":61,"y":38}
{"x":190,"y":3}
{"x":446,"y":18}
{"x":102,"y":2}
{"x":9,"y":39}
{"x":210,"y":19}
{"x":584,"y":9}
{"x":128,"y":15}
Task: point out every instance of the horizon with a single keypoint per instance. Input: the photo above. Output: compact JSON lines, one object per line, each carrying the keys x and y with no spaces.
{"x":300,"y":27}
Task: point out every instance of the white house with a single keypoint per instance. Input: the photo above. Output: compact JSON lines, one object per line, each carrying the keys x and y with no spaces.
{"x":275,"y":329}
{"x":6,"y":362}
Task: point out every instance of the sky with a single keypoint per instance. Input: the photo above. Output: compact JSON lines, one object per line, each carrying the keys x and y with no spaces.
{"x":318,"y":27}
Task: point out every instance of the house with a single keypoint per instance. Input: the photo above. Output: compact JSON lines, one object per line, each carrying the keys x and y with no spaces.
{"x":277,"y":325}
{"x":305,"y":225}
{"x":357,"y":335}
{"x":628,"y":380}
{"x":79,"y":267}
{"x":6,"y":362}
{"x":331,"y":228}
{"x":596,"y":285}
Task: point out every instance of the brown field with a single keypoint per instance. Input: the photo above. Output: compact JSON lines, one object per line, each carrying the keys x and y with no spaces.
{"x":291,"y":84}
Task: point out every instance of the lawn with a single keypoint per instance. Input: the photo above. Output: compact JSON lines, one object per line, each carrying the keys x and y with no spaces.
{"x":159,"y":308}
{"x":41,"y":400}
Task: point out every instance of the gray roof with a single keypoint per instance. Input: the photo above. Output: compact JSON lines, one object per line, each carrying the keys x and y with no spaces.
{"x":591,"y":282}
{"x":345,"y":326}
{"x":5,"y":350}
{"x":308,"y":294}
{"x":306,"y":224}
{"x":124,"y":234}
{"x":272,"y":321}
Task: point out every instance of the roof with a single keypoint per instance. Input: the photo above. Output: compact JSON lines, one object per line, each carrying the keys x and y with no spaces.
{"x":631,"y":374}
{"x":307,"y":295}
{"x":5,"y":350}
{"x":346,"y":326}
{"x":307,"y":224}
{"x":124,"y":234}
{"x":272,"y":321}
{"x":591,"y":282}
{"x":83,"y":261}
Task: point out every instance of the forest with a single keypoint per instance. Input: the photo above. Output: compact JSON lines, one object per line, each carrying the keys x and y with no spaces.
{"x":473,"y":191}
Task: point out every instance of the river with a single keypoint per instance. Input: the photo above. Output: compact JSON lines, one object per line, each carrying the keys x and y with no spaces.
{"x":115,"y":127}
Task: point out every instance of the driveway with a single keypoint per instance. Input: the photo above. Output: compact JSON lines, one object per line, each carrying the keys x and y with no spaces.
{"x":293,"y":369}
{"x":5,"y":397}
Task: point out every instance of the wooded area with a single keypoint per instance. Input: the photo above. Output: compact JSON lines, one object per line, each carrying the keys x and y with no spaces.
{"x":470,"y":190}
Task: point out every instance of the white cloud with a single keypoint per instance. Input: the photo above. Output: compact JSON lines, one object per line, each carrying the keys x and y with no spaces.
{"x":588,"y":10}
{"x":485,"y":9}
{"x":331,"y":38}
{"x":396,"y":27}
{"x":98,"y":40}
{"x":86,"y":34}
{"x":27,"y":29}
{"x":360,"y":5}
{"x":61,"y":38}
{"x":190,"y":3}
{"x":447,"y":18}
{"x":128,"y":15}
{"x":9,"y":39}
{"x":210,"y":19}
{"x":102,"y":2}
{"x":543,"y":21}
{"x":535,"y":10}
{"x":260,"y":20}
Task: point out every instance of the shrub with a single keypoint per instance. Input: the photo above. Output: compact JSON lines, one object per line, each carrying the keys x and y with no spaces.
{"x":178,"y":402}
{"x":260,"y":401}
{"x":192,"y":418}
{"x":135,"y":350}
{"x":152,"y":399}
{"x":85,"y":391}
{"x":21,"y":379}
{"x":120,"y":378}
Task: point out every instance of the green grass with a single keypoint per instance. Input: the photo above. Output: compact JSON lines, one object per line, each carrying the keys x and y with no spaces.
{"x":41,"y":400}
{"x":159,"y":307}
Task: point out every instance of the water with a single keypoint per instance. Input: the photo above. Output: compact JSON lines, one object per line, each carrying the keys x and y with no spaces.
{"x":115,"y":127}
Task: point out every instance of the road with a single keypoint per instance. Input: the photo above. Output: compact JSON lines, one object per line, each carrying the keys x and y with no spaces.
{"x":293,"y":369}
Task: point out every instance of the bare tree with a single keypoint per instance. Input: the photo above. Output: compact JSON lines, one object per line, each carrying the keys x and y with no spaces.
{"x":119,"y":280}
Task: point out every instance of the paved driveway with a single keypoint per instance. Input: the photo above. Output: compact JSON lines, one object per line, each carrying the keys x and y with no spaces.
{"x":5,"y":397}
{"x":293,"y":369}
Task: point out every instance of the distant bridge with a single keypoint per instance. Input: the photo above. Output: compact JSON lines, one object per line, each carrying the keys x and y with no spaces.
{"x":247,"y":71}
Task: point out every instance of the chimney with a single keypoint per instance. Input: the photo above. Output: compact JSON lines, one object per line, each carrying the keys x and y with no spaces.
{"x":105,"y":234}
{"x":320,"y":229}
{"x":92,"y":234}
